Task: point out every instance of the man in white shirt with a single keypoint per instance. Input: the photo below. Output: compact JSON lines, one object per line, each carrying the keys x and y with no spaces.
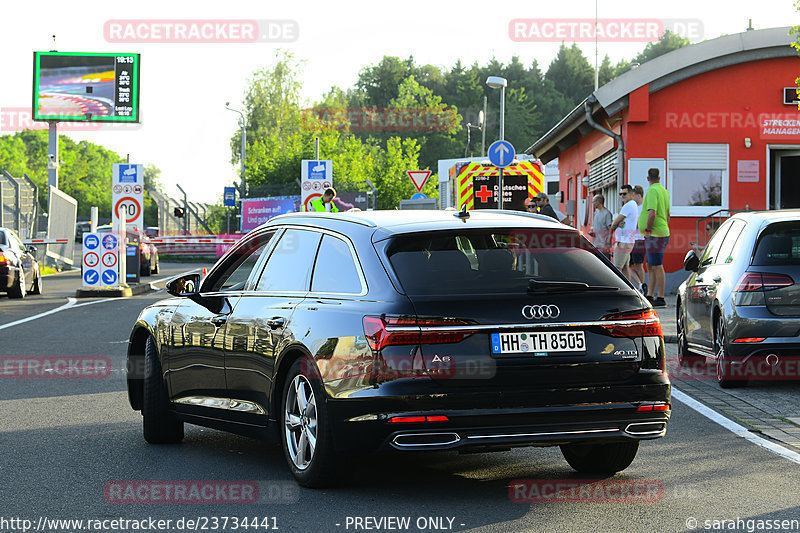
{"x":624,"y":228}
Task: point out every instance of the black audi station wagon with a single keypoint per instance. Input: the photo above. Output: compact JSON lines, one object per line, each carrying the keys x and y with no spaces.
{"x":406,"y":331}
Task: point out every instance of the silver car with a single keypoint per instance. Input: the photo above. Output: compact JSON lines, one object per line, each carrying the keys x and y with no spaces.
{"x":740,"y":307}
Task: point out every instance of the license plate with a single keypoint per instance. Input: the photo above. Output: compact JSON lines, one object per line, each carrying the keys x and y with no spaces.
{"x":540,"y":343}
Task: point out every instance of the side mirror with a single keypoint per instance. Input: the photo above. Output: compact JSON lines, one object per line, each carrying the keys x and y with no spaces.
{"x":691,"y":262}
{"x":32,"y":250}
{"x":186,"y":286}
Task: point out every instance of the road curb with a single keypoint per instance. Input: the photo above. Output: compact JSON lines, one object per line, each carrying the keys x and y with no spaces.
{"x":115,"y":292}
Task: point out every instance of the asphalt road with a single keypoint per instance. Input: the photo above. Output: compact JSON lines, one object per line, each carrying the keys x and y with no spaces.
{"x":68,"y":444}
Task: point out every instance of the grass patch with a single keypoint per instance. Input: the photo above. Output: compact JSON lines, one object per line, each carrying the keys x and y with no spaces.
{"x":46,"y":270}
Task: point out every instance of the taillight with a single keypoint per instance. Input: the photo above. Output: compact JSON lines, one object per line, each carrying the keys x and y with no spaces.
{"x":639,"y":324}
{"x":756,"y":281}
{"x":382,"y":331}
{"x":3,"y":259}
{"x":656,"y":407}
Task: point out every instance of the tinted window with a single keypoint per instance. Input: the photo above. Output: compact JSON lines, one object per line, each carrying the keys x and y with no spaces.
{"x":779,"y":244}
{"x":484,"y":263}
{"x":334,"y":270}
{"x":238,"y":266}
{"x":711,"y":249}
{"x":726,"y":249}
{"x":289,"y":264}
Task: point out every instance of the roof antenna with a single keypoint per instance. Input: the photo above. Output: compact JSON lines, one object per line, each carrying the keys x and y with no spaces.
{"x":463,"y":214}
{"x":750,"y":27}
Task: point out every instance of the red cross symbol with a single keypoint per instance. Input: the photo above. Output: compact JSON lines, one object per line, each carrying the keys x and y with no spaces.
{"x":483,"y":194}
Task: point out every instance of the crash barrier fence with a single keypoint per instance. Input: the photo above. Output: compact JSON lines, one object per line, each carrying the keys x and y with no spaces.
{"x":18,"y":204}
{"x":193,"y":220}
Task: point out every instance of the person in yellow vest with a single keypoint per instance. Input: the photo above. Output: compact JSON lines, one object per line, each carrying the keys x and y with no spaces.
{"x":326,"y":202}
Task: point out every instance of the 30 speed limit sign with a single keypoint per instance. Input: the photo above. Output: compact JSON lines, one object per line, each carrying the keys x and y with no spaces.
{"x":127,"y":195}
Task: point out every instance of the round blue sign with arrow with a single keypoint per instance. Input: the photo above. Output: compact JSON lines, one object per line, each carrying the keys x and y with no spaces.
{"x":91,"y":277}
{"x":501,"y":153}
{"x":109,"y":277}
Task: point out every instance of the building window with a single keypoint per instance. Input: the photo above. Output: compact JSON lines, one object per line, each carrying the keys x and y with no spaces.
{"x":697,"y":178}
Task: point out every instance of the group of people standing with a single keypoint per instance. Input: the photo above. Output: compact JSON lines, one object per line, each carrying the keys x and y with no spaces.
{"x":641,"y":229}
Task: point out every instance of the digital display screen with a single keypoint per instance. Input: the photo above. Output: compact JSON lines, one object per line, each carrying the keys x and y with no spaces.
{"x":89,"y":87}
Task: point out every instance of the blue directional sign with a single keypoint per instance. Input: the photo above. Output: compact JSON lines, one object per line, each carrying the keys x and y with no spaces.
{"x":109,"y":277}
{"x":501,"y":153}
{"x":91,"y":241}
{"x":110,"y":241}
{"x":91,"y":277}
{"x":229,"y":197}
{"x":418,"y":195}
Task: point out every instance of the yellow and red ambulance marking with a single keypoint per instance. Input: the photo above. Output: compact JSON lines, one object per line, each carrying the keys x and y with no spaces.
{"x":466,"y":194}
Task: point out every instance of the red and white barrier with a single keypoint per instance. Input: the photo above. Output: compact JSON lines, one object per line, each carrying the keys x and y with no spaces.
{"x":46,"y":241}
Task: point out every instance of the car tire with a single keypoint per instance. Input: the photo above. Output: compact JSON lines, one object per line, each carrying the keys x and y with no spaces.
{"x":145,"y":270}
{"x":305,"y":428}
{"x":723,"y":360}
{"x":19,"y":290}
{"x":685,"y":357}
{"x":155,"y":269}
{"x":159,"y":423}
{"x":600,"y":458}
{"x":37,"y":284}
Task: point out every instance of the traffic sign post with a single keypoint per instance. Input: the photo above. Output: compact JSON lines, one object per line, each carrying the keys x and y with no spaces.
{"x":501,"y":154}
{"x":127,"y":194}
{"x":316,"y":176}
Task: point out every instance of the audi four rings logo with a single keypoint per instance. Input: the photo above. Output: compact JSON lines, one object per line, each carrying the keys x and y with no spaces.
{"x":540,"y":311}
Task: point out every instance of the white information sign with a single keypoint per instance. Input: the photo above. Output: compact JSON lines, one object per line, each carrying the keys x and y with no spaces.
{"x":316,"y":176}
{"x":127,"y":194}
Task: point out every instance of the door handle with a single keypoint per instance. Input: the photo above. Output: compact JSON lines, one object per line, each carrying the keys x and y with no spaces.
{"x":717,"y":279}
{"x":219,"y":320}
{"x":276,"y":322}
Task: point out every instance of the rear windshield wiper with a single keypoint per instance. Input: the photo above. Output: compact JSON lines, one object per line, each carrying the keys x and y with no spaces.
{"x":564,"y":286}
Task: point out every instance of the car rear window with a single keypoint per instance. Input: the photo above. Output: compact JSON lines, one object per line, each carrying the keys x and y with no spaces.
{"x":3,"y":238}
{"x":492,"y":262}
{"x":779,"y":244}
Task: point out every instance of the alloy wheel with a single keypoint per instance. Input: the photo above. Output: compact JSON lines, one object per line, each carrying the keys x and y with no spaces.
{"x":300,"y":420}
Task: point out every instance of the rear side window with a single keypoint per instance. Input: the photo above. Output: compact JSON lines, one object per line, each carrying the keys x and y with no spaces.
{"x":3,"y":237}
{"x":486,"y":263}
{"x":779,"y":244}
{"x":335,"y":271}
{"x":289,"y":265}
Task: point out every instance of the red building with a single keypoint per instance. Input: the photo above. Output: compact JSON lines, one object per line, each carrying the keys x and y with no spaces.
{"x":719,"y":119}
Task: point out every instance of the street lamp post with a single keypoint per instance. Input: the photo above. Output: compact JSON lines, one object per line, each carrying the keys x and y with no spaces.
{"x":243,"y":182}
{"x":496,"y":82}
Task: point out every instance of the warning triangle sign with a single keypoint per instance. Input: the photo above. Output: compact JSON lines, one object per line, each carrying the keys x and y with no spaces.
{"x":419,"y":178}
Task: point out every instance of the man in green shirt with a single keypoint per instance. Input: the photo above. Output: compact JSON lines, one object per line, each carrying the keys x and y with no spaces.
{"x":326,"y":202}
{"x":654,"y":225}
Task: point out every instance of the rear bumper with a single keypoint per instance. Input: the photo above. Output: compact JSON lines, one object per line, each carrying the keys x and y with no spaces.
{"x":514,"y":418}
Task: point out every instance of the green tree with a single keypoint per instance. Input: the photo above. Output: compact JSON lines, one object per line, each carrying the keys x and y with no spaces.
{"x":571,"y":74}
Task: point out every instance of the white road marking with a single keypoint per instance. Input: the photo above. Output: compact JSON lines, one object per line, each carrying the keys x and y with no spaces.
{"x":71,"y":303}
{"x":733,"y":427}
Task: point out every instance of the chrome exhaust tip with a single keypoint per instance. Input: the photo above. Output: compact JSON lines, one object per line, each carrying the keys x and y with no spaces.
{"x":424,"y":440}
{"x":646,"y":429}
{"x":772,"y":359}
